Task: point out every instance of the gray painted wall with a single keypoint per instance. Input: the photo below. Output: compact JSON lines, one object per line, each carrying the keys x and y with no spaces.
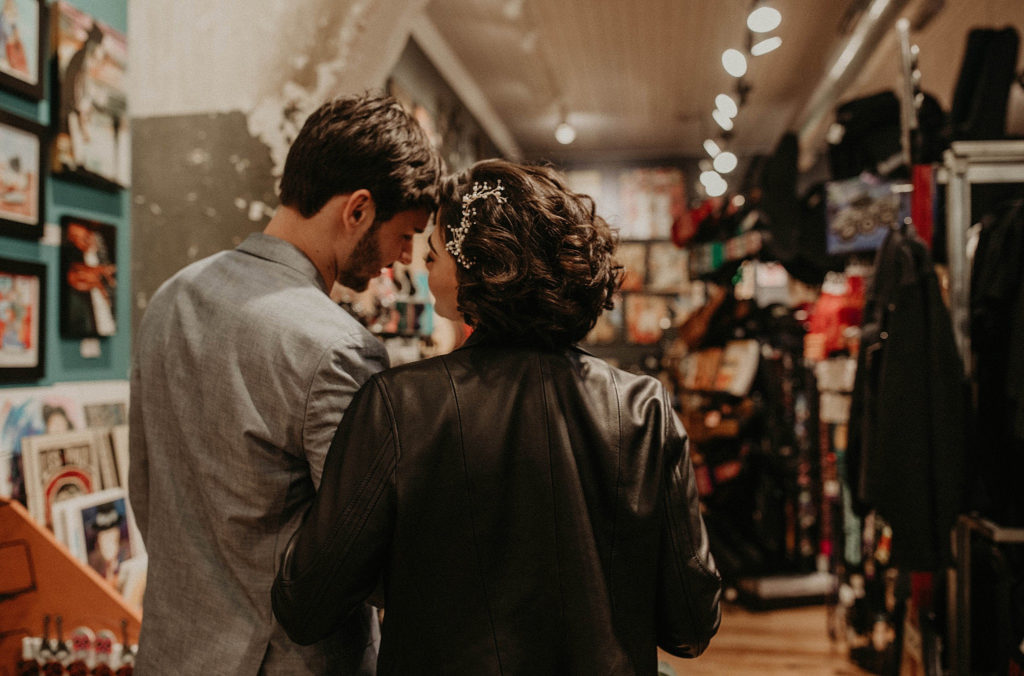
{"x":218,"y":91}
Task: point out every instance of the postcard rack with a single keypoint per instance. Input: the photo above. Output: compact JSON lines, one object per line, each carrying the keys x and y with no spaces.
{"x":41,"y":577}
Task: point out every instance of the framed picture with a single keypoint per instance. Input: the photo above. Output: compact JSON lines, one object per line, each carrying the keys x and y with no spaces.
{"x":26,"y":412}
{"x":668,"y":269}
{"x":21,"y":162}
{"x":632,"y":256}
{"x":647,"y":318}
{"x":59,"y":467}
{"x":608,"y":328}
{"x":98,"y":529}
{"x":22,"y":320}
{"x":21,"y":59}
{"x":93,"y":141}
{"x":88,"y":270}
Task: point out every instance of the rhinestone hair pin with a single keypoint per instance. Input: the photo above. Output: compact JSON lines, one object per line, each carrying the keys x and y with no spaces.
{"x":481,"y":190}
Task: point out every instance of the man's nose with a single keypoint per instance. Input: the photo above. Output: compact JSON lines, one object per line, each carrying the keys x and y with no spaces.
{"x":406,"y":256}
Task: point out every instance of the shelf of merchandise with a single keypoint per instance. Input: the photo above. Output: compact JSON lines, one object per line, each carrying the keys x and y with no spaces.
{"x":41,"y":577}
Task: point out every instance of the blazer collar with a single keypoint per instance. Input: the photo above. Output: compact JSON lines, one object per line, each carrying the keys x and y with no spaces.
{"x":277,"y":250}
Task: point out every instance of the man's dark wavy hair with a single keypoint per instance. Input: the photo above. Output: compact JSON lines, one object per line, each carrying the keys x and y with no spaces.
{"x":365,"y":141}
{"x":543,"y":266}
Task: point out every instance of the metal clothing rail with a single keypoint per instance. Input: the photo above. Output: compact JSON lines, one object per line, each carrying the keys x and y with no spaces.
{"x":965,"y":164}
{"x":968,"y":527}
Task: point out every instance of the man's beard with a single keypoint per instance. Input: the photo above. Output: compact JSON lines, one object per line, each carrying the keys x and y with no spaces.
{"x":365,"y":262}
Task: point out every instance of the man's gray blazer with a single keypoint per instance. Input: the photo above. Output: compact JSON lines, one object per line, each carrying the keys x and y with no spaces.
{"x":243,"y":367}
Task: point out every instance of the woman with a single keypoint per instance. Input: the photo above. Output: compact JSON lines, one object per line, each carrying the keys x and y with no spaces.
{"x":520,"y":506}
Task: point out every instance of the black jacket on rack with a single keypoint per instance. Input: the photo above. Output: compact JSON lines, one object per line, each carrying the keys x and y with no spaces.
{"x":997,"y":337}
{"x":531,"y":512}
{"x":908,"y":416}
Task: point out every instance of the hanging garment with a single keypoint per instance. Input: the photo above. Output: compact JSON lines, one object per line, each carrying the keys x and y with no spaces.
{"x":983,"y":87}
{"x":997,"y":332}
{"x":908,"y":414}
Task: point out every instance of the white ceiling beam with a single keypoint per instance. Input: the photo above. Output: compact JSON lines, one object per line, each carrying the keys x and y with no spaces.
{"x":455,"y":74}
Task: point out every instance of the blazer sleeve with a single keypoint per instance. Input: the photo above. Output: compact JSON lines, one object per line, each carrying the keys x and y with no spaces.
{"x":342,"y":370}
{"x":138,"y":464}
{"x":335,"y":559}
{"x":689,"y":586}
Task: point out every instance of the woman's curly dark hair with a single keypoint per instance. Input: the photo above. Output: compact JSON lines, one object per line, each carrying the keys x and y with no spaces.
{"x":543,"y":266}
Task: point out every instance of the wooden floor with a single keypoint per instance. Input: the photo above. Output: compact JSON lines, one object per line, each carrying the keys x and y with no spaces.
{"x":791,"y":642}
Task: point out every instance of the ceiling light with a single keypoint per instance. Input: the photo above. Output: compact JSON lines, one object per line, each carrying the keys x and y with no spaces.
{"x":735,"y":63}
{"x":711,"y":147}
{"x":766,"y":45}
{"x":529,"y":42}
{"x":764,"y":19}
{"x":738,"y":201}
{"x":565,"y":133}
{"x":717,"y":188}
{"x":723,"y":120}
{"x":726,"y":105}
{"x":513,"y":9}
{"x":725,"y":162}
{"x":709,"y":178}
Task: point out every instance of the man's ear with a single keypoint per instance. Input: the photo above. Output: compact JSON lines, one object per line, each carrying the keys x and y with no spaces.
{"x":360,"y":210}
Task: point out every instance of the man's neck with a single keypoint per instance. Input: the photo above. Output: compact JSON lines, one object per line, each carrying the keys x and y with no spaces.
{"x":306,"y":235}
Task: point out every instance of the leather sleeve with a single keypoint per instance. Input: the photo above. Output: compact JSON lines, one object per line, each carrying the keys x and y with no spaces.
{"x":689,"y":586}
{"x":335,"y":559}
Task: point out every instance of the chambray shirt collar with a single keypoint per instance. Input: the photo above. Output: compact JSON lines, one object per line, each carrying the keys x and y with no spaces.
{"x":277,"y":250}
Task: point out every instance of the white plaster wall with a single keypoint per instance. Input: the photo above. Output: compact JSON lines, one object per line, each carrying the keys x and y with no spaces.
{"x":260,"y":57}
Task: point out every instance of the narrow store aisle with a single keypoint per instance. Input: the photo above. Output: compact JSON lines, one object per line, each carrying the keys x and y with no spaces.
{"x":779,"y":642}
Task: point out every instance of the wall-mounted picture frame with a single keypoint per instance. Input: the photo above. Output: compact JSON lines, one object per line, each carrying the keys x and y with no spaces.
{"x":22,"y":320}
{"x":667,"y":268}
{"x":24,"y":51}
{"x":92,"y":143}
{"x":88,"y":272}
{"x":21,"y":171}
{"x":632,"y":256}
{"x":647,"y":318}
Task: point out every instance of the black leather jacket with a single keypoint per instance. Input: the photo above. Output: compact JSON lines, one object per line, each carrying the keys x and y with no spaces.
{"x":522,"y":512}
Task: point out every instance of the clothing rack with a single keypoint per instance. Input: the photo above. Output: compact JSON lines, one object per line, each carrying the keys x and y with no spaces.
{"x":968,"y":527}
{"x":966,"y":164}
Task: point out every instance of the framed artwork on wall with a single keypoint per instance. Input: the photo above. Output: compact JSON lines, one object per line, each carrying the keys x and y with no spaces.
{"x":93,"y":143}
{"x":22,"y":320}
{"x":88,"y":272}
{"x":23,"y":25}
{"x":21,"y":193}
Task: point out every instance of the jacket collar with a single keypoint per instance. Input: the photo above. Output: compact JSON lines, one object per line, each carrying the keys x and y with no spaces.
{"x":493,"y":339}
{"x":277,"y":250}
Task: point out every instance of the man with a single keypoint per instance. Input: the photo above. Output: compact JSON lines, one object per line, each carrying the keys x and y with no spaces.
{"x":242,"y":371}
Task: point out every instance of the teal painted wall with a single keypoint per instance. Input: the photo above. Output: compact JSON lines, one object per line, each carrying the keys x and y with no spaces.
{"x":63,"y":356}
